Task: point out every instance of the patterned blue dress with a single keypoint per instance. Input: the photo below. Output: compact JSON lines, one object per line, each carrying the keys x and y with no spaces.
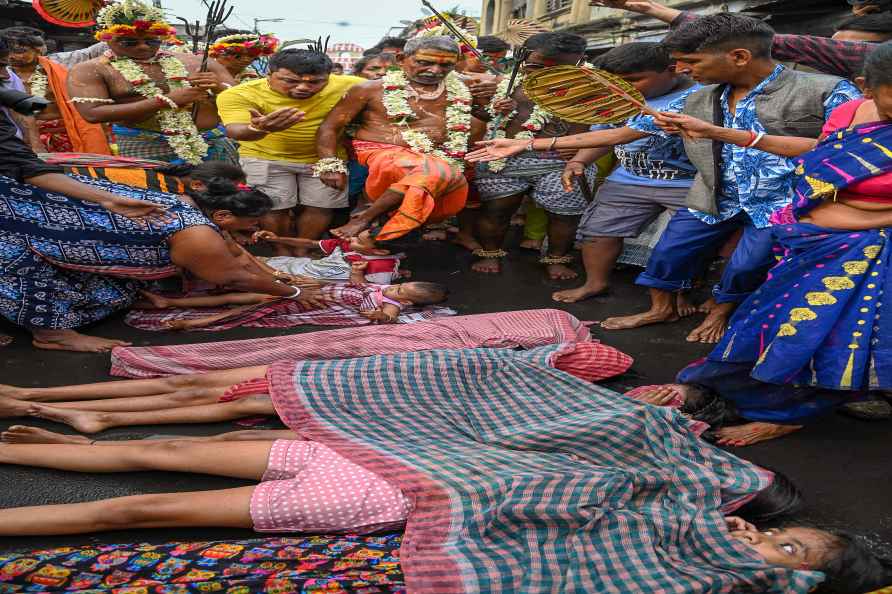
{"x":65,"y":263}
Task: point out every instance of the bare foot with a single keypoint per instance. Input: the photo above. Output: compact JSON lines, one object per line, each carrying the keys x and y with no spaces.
{"x":10,"y":407}
{"x":560,"y":272}
{"x":435,"y":235}
{"x":707,"y":306}
{"x":750,"y":433}
{"x":69,"y":340}
{"x":713,"y":327}
{"x":23,"y":434}
{"x":487,"y":265}
{"x":684,"y":306}
{"x":353,"y":228}
{"x":638,"y":320}
{"x":531,"y":244}
{"x":84,"y":421}
{"x":157,"y":301}
{"x":177,"y":324}
{"x":466,"y":241}
{"x":578,"y":294}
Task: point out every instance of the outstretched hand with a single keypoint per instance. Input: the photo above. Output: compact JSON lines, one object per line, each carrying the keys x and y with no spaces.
{"x":640,"y":6}
{"x":138,"y":209}
{"x":311,"y":297}
{"x":679,"y":123}
{"x":276,"y":121}
{"x":263,"y":236}
{"x":492,"y":150}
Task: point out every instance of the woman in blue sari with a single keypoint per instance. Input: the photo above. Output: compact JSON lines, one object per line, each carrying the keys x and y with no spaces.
{"x":814,"y":335}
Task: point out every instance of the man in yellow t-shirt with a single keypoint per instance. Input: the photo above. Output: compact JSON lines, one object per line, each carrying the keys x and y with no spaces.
{"x":275,"y":121}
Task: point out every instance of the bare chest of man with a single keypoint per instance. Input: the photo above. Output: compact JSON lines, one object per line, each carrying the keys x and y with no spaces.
{"x":430,"y":118}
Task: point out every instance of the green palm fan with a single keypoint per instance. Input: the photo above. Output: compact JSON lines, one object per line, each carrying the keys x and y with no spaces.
{"x":584,"y":95}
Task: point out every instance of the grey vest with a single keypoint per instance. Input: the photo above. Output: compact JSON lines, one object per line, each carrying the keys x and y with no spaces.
{"x":790,"y":105}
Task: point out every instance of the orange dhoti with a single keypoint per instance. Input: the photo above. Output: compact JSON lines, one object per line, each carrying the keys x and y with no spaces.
{"x":432,"y":189}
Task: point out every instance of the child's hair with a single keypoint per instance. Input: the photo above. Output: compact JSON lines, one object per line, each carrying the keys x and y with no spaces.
{"x":878,"y":66}
{"x":851,"y":567}
{"x":240,"y":200}
{"x":207,"y":171}
{"x":780,"y":498}
{"x":632,"y":58}
{"x":427,"y":293}
{"x":722,"y":32}
{"x":705,"y":405}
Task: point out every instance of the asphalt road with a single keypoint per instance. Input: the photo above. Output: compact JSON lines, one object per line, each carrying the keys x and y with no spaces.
{"x":841,"y":464}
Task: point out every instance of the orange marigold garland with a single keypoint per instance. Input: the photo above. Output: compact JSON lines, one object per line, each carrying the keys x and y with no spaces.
{"x":245,"y":44}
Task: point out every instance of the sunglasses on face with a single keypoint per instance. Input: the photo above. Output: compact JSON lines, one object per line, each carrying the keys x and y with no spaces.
{"x":136,"y":42}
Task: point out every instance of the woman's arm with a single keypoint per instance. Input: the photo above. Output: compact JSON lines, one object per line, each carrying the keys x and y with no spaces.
{"x":298,"y":242}
{"x":128,"y":207}
{"x":491,"y":150}
{"x":836,"y":215}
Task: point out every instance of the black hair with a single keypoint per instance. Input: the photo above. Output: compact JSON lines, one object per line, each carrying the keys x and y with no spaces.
{"x":781,"y":498}
{"x":723,"y":31}
{"x":878,"y":66}
{"x":428,"y":293}
{"x":301,"y":61}
{"x":360,"y":64}
{"x":851,"y":567}
{"x":397,"y":42}
{"x":209,"y":170}
{"x":491,"y":43}
{"x":337,"y":66}
{"x":555,"y":43}
{"x":707,"y":406}
{"x":632,"y":58}
{"x":225,"y":194}
{"x":27,"y":36}
{"x":878,"y":22}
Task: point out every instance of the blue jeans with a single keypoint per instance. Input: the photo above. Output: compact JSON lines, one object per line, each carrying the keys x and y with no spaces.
{"x":687,"y":240}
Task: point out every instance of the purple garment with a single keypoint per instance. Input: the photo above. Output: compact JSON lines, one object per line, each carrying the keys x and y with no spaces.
{"x":16,"y":84}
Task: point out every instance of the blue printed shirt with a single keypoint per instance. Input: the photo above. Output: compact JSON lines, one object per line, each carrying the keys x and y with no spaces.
{"x":752,"y":181}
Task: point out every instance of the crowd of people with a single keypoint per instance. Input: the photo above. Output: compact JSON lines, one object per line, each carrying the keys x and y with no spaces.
{"x":150,"y":164}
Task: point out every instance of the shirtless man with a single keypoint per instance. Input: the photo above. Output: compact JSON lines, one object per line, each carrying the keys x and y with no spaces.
{"x":420,"y":185}
{"x":103,"y":91}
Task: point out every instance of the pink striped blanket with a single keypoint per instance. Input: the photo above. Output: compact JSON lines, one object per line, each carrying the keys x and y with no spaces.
{"x":512,"y":329}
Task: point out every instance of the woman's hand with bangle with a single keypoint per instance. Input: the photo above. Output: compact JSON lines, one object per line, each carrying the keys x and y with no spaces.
{"x":679,"y":123}
{"x":493,"y":150}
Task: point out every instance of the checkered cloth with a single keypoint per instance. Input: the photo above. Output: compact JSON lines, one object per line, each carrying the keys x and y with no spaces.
{"x":345,"y":301}
{"x":510,"y":329}
{"x":524,"y":478}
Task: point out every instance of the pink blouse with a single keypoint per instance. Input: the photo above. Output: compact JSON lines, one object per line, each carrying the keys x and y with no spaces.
{"x":875,"y":189}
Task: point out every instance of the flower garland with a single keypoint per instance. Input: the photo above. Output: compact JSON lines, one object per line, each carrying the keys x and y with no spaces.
{"x":129,"y":18}
{"x":245,"y":44}
{"x":458,"y":117}
{"x":497,"y":125}
{"x":39,"y":82}
{"x":181,"y":134}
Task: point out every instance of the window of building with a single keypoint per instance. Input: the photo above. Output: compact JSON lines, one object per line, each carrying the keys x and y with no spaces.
{"x":552,"y":5}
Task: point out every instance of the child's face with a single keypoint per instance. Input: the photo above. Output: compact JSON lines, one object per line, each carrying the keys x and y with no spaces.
{"x":402,"y":293}
{"x":882,"y":98}
{"x":794,"y":547}
{"x":653,"y":84}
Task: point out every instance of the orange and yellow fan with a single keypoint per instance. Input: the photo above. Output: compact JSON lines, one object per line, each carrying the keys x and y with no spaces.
{"x":69,"y":13}
{"x":584,"y":95}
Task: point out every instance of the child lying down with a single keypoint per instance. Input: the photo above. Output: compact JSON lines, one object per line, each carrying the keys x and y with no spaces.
{"x":383,"y":267}
{"x":381,"y":304}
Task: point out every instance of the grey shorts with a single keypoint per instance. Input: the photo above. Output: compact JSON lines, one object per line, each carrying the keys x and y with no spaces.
{"x":290,"y":184}
{"x":624,"y":210}
{"x":537,"y":176}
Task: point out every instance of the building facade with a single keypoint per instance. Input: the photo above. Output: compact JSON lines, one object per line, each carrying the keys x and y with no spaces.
{"x":345,"y":54}
{"x":605,"y":27}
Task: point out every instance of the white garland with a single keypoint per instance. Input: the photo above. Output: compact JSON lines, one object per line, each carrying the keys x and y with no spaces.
{"x":458,"y":117}
{"x":329,"y":165}
{"x":39,"y":82}
{"x":176,"y":124}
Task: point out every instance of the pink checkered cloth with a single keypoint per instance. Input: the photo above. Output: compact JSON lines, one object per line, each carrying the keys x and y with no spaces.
{"x":307,"y":487}
{"x":512,"y":329}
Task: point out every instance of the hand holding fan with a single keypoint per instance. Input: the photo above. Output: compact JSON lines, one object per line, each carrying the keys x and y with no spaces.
{"x":585,"y":95}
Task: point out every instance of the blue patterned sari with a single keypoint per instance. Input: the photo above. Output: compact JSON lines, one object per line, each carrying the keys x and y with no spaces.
{"x":815,"y":331}
{"x":65,"y":263}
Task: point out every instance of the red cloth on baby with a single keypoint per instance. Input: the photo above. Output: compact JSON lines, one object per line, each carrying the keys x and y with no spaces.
{"x":874,"y":189}
{"x":592,"y":362}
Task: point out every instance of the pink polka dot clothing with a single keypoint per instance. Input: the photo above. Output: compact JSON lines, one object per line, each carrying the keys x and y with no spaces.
{"x":308,"y":487}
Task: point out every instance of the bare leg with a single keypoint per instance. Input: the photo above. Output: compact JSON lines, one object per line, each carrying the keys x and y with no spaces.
{"x":599,"y":256}
{"x":227,"y":508}
{"x":561,"y":233}
{"x":93,"y":422}
{"x":750,"y":433}
{"x":213,"y":319}
{"x":492,"y":225}
{"x":467,"y":222}
{"x":140,"y":387}
{"x":662,"y":309}
{"x":312,"y":222}
{"x":713,"y":327}
{"x":244,"y":459}
{"x":388,"y":201}
{"x":188,"y":397}
{"x":69,"y":340}
{"x":279,"y":222}
{"x":25,"y":434}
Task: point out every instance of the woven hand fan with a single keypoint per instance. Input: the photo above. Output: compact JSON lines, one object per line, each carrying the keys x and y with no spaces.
{"x":69,"y":13}
{"x":584,"y":95}
{"x":519,"y":30}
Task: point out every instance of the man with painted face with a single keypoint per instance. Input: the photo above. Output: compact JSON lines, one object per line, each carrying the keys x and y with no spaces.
{"x":503,"y":186}
{"x":276,"y":119}
{"x":148,"y":93}
{"x":415,"y":126}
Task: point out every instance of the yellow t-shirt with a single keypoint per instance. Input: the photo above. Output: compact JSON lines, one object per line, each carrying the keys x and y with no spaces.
{"x":296,"y":144}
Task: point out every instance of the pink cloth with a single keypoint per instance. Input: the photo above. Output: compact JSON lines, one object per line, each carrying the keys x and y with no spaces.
{"x":511,"y":329}
{"x":307,"y":487}
{"x":874,"y":189}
